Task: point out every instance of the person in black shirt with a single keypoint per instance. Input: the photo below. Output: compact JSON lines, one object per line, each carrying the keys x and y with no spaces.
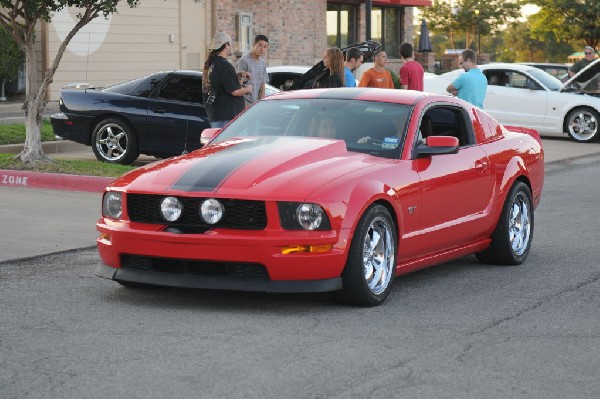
{"x":224,"y":82}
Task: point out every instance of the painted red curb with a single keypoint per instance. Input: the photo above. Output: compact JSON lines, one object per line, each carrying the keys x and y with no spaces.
{"x":54,"y":181}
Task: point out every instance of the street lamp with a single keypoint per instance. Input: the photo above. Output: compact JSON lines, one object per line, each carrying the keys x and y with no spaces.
{"x":478,"y":33}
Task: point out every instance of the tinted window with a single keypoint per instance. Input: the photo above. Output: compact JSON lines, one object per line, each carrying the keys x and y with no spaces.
{"x":369,"y":127}
{"x":141,"y":87}
{"x":182,"y":88}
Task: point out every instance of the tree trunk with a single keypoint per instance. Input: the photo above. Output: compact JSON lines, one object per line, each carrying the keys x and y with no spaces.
{"x":34,"y":106}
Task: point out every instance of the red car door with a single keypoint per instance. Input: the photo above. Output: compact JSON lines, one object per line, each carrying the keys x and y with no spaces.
{"x":457,"y":192}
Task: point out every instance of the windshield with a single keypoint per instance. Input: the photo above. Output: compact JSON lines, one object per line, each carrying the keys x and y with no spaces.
{"x":547,"y":80}
{"x":365,"y":126}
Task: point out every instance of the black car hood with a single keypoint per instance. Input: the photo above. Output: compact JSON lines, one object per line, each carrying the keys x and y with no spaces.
{"x":318,"y":72}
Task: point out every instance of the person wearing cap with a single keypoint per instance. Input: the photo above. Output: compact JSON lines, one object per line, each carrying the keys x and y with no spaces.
{"x":255,"y":64}
{"x":225,"y":82}
{"x":589,"y":55}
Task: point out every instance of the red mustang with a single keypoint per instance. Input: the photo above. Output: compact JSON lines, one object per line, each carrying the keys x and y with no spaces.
{"x":327,"y":190}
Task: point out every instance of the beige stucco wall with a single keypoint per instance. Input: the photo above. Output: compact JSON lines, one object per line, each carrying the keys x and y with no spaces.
{"x":132,"y":43}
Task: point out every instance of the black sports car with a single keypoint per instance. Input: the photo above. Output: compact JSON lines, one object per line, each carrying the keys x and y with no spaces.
{"x":161,"y":114}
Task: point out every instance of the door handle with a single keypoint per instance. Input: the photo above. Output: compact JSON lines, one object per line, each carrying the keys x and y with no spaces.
{"x":158,"y":111}
{"x":481,"y":165}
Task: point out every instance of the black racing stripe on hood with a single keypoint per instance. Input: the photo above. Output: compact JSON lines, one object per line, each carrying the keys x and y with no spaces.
{"x":348,"y":94}
{"x":209,"y":173}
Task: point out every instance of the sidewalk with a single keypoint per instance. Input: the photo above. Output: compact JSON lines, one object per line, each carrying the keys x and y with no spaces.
{"x":12,"y":111}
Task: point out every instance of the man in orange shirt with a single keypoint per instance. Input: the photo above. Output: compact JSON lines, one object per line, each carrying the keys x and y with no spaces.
{"x":377,"y":76}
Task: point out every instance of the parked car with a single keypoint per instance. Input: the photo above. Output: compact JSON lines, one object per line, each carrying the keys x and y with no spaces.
{"x":283,"y":76}
{"x":327,"y":190}
{"x":161,"y":114}
{"x":559,"y":71}
{"x":522,"y":95}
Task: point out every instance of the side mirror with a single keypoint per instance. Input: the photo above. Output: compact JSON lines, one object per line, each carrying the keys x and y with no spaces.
{"x":208,"y":134}
{"x":436,"y":145}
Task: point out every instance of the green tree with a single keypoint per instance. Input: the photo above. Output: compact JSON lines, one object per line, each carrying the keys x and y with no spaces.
{"x":11,"y":59}
{"x":568,"y":21}
{"x":20,"y":18}
{"x":469,"y":18}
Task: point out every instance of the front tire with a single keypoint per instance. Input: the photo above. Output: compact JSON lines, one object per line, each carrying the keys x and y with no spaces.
{"x":113,"y":141}
{"x":369,"y":271}
{"x":582,"y":124}
{"x":512,"y":238}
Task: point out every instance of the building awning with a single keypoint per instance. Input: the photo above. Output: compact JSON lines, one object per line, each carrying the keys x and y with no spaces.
{"x":407,"y":3}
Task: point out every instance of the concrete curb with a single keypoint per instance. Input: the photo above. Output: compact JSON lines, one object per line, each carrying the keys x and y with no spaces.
{"x":54,"y":181}
{"x":50,"y":147}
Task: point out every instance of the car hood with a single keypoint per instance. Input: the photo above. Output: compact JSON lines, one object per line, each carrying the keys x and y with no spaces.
{"x":253,"y":168}
{"x":581,"y":78}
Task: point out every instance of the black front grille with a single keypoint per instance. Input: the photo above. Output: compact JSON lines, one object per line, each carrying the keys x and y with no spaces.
{"x":238,"y":214}
{"x":194,"y":267}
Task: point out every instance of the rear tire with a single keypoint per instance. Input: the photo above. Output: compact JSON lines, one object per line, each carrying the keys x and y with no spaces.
{"x":582,"y":124}
{"x":512,"y":238}
{"x":113,"y":141}
{"x":369,"y":271}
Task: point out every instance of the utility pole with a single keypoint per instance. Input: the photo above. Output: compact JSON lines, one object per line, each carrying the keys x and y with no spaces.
{"x":368,"y":4}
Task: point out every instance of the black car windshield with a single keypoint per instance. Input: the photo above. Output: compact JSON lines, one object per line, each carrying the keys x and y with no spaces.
{"x":547,"y":80}
{"x":369,"y":127}
{"x":140,"y":87}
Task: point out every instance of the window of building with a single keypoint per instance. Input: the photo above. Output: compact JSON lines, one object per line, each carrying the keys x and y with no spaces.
{"x":387,"y":27}
{"x":342,"y":25}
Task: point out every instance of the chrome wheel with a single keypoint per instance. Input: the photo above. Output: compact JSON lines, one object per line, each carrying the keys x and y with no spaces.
{"x":112,"y":142}
{"x":519,"y":228}
{"x":582,"y":124}
{"x":511,"y":241}
{"x":378,"y":255}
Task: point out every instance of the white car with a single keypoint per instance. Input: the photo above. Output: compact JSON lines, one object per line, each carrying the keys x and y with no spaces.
{"x":525,"y":96}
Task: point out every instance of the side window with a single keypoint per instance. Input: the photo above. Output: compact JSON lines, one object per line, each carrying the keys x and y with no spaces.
{"x":182,"y":88}
{"x":447,"y":121}
{"x":498,"y":78}
{"x":518,"y":80}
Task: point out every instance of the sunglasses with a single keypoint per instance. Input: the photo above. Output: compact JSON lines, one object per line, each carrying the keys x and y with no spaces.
{"x":586,"y":53}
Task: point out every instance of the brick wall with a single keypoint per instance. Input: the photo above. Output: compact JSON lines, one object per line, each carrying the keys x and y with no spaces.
{"x":296,"y":30}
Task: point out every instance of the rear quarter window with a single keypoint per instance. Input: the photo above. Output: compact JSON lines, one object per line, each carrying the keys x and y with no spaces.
{"x":141,"y":87}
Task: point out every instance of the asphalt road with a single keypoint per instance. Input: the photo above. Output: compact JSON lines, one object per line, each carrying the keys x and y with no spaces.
{"x":458,"y":330}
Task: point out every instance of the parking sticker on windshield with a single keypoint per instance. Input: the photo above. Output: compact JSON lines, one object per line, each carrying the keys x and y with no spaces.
{"x":390,"y":143}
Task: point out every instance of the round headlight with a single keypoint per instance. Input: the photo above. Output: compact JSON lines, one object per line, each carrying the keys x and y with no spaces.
{"x":112,"y":205}
{"x":211,"y":211}
{"x":171,"y":208}
{"x":309,"y":216}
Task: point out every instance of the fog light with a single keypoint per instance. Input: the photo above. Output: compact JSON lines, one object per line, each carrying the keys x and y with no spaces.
{"x":171,"y":209}
{"x":211,"y":211}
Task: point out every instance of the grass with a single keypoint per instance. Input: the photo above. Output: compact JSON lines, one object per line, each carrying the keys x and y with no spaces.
{"x":15,"y":133}
{"x":66,"y":166}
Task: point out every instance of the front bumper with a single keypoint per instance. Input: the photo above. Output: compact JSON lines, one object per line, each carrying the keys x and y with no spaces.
{"x":291,"y":272}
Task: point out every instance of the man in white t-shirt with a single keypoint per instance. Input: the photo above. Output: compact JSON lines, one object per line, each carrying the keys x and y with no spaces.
{"x":255,"y":63}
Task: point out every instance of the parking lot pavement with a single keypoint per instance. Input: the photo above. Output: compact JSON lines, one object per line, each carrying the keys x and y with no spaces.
{"x":39,"y":221}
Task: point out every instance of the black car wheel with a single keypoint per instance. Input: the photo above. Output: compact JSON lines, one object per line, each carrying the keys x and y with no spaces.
{"x":582,"y":124}
{"x":114,"y":141}
{"x":512,"y":238}
{"x":369,"y":272}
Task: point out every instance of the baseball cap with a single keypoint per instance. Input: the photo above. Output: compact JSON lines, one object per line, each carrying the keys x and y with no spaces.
{"x":219,"y":40}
